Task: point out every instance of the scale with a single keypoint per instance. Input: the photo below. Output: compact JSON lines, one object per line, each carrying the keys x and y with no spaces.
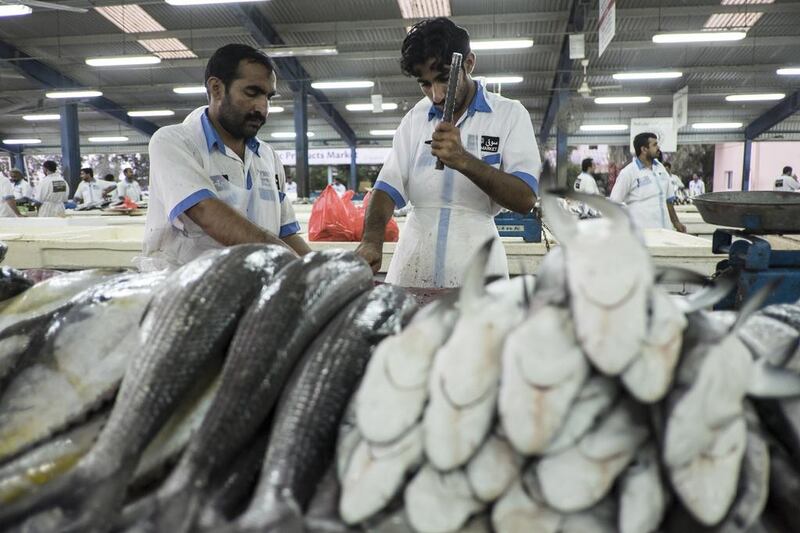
{"x":750,"y":255}
{"x":527,"y":226}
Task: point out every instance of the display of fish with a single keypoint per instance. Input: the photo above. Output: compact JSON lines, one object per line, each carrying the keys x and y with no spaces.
{"x":12,"y":283}
{"x":307,"y":418}
{"x":187,"y":327}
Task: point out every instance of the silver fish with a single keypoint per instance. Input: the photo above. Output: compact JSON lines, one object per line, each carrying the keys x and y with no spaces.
{"x":12,"y":283}
{"x":643,"y":498}
{"x":438,"y":502}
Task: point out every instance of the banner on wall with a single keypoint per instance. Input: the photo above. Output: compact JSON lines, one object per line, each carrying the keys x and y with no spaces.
{"x":608,"y":24}
{"x":337,"y":156}
{"x":664,"y":128}
{"x":680,"y":108}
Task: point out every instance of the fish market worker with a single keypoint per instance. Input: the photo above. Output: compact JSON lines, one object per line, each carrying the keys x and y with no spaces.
{"x":646,"y":188}
{"x":90,"y":190}
{"x":52,"y":191}
{"x":212,"y":182}
{"x":8,"y":205}
{"x":491,"y":161}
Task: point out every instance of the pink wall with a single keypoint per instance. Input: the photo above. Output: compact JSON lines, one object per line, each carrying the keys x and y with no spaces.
{"x":766,"y":163}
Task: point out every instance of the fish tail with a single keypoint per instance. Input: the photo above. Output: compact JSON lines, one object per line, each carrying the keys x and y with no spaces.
{"x":179,"y":512}
{"x":277,"y":514}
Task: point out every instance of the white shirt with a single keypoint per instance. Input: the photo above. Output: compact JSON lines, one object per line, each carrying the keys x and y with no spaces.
{"x":452,"y":217}
{"x":786,"y":183}
{"x":189,"y":163}
{"x":22,"y":189}
{"x":131,"y":189}
{"x":646,"y":192}
{"x":696,"y":188}
{"x":91,"y":191}
{"x":586,"y":183}
{"x":677,"y":183}
{"x":6,"y":194}
{"x":52,"y":192}
{"x":339,"y":188}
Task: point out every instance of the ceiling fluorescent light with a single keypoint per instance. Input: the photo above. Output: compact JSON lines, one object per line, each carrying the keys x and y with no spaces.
{"x":41,"y":118}
{"x":604,"y":127}
{"x":297,"y":51}
{"x":22,"y":141}
{"x":116,"y":139}
{"x":716,"y":125}
{"x":152,"y":113}
{"x":501,"y":79}
{"x":789,"y":71}
{"x":122,"y":61}
{"x":288,"y":134}
{"x":73,"y":94}
{"x":276,"y":109}
{"x":416,"y":9}
{"x":628,"y":76}
{"x":386,"y":106}
{"x":205,"y":2}
{"x":754,"y":97}
{"x":699,"y":37}
{"x":500,"y":44}
{"x":14,"y":11}
{"x":191,"y":89}
{"x":355,"y":84}
{"x":604,"y":100}
{"x":382,"y":133}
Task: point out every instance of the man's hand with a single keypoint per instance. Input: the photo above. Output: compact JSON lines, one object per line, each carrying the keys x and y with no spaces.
{"x":446,"y":145}
{"x":680,"y":228}
{"x":371,"y":253}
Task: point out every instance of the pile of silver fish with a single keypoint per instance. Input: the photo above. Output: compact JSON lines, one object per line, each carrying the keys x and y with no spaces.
{"x":595,"y":402}
{"x":208,"y":398}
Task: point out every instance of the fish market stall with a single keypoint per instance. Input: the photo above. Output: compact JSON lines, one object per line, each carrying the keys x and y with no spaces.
{"x":253,"y":391}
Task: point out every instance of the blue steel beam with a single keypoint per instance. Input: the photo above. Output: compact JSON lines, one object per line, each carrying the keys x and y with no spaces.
{"x":17,"y":158}
{"x":777,"y":114}
{"x":748,"y":153}
{"x":70,"y":146}
{"x":290,"y":69}
{"x":301,"y":140}
{"x":50,"y":78}
{"x":563,"y":77}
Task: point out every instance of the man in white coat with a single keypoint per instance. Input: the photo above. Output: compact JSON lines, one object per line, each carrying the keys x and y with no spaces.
{"x":51,"y":192}
{"x":585,"y":181}
{"x":491,"y":161}
{"x":696,"y":186}
{"x":786,"y":181}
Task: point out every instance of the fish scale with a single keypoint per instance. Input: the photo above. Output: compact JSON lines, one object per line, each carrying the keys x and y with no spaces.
{"x":260,"y":359}
{"x":313,"y":403}
{"x":186,"y":328}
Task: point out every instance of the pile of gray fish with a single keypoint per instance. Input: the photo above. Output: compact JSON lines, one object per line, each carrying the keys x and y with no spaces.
{"x":151,"y":402}
{"x":598,"y":403}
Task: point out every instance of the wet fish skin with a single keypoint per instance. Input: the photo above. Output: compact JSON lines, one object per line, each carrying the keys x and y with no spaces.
{"x":188,"y":326}
{"x":313,"y":403}
{"x":268,"y":342}
{"x":12,"y":283}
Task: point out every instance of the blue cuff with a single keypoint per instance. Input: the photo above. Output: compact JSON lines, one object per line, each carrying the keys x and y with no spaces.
{"x":289,"y":229}
{"x":491,"y":159}
{"x":189,"y":202}
{"x":532,"y":182}
{"x":281,"y":196}
{"x":671,"y":200}
{"x":391,"y":191}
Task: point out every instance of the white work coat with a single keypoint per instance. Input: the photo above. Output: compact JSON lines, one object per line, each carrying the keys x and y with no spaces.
{"x":52,"y":192}
{"x":586,"y":183}
{"x":786,"y":183}
{"x":91,"y":191}
{"x":131,"y":189}
{"x":6,"y":194}
{"x":452,"y":217}
{"x":696,"y":188}
{"x":645,"y":191}
{"x":22,"y":189}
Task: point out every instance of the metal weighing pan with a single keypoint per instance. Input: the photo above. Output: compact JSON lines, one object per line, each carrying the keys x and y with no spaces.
{"x":755,"y":211}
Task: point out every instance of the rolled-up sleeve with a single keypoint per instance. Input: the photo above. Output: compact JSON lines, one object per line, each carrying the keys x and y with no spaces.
{"x":520,"y":152}
{"x":393,"y":177}
{"x":177,"y":177}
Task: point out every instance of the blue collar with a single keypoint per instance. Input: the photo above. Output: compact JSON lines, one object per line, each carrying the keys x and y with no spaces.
{"x":214,"y":140}
{"x":478,"y":103}
{"x":640,"y":165}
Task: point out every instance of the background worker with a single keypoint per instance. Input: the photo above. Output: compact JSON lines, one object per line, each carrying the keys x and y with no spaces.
{"x":51,"y":192}
{"x":786,"y":181}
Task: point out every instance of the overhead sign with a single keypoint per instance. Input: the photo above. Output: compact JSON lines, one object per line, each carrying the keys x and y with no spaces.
{"x":663,"y":128}
{"x":577,"y":46}
{"x":680,"y":108}
{"x":337,"y":156}
{"x":608,"y":24}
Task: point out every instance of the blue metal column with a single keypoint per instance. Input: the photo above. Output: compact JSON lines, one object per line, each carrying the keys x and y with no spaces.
{"x":561,"y":156}
{"x":301,"y":139}
{"x":18,"y":162}
{"x":353,"y":170}
{"x":748,"y":152}
{"x":70,"y":146}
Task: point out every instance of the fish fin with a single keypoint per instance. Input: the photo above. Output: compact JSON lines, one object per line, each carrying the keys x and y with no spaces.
{"x":475,"y":277}
{"x":610,"y":210}
{"x":674,"y":274}
{"x":561,"y":223}
{"x":179,"y":512}
{"x":766,"y":381}
{"x":756,"y":302}
{"x":707,"y":297}
{"x":275,"y":513}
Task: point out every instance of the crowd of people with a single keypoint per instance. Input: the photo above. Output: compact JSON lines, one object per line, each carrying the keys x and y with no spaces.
{"x":50,"y":196}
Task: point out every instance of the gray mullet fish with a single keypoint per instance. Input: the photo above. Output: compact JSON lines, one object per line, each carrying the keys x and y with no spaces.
{"x":187,"y":327}
{"x":270,"y":339}
{"x":307,"y":418}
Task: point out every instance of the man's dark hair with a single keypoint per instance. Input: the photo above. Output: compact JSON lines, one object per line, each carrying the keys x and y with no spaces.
{"x":108,"y":177}
{"x":668,"y":166}
{"x":88,"y":171}
{"x":642,"y":140}
{"x":50,"y":166}
{"x":16,"y":172}
{"x":586,"y":163}
{"x":436,"y":39}
{"x":787,"y":171}
{"x":224,"y":63}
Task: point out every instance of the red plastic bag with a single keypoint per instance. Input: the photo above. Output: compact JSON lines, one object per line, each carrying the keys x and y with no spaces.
{"x":392,"y":233}
{"x":330,"y":219}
